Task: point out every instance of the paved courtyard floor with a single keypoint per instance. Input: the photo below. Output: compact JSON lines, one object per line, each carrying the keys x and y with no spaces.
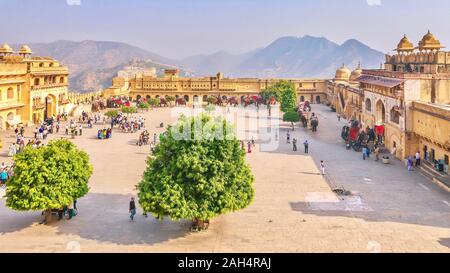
{"x":295,"y":210}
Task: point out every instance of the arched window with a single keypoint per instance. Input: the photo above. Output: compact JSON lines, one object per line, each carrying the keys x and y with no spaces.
{"x":318,"y":99}
{"x":186,"y":98}
{"x":36,"y":81}
{"x":302,"y":98}
{"x":10,"y":116}
{"x":381,"y":112}
{"x":61,"y":80}
{"x":41,"y":65}
{"x":368,"y":105}
{"x":205,"y":98}
{"x":148,"y":97}
{"x":50,"y":65}
{"x":10,"y":93}
{"x":138,"y":97}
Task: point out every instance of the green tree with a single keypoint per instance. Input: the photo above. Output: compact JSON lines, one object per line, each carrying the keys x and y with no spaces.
{"x":153,"y":102}
{"x":272,"y":91}
{"x":49,"y":177}
{"x":288,"y":96}
{"x":211,"y":100}
{"x":144,"y":106}
{"x":170,"y":99}
{"x":196,"y":178}
{"x":112,"y":113}
{"x":291,"y":117}
{"x":129,"y":110}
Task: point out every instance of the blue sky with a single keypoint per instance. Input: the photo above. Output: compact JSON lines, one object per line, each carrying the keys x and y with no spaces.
{"x":180,"y":28}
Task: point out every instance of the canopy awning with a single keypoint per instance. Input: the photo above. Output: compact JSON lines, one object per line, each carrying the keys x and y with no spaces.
{"x":381,"y":81}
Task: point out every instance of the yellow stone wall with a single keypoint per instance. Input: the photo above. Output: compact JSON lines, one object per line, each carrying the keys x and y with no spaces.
{"x":431,"y":124}
{"x":30,"y":80}
{"x":313,"y":90}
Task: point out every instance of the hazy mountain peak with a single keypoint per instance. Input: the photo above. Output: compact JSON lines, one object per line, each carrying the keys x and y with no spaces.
{"x":290,"y":56}
{"x":93,"y":64}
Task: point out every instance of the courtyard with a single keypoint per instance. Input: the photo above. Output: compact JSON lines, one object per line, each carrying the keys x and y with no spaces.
{"x":295,"y":209}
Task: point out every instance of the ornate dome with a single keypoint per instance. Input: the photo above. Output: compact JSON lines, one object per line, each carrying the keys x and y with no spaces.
{"x":342,"y":74}
{"x":405,"y":45}
{"x":6,"y":49}
{"x":25,"y":50}
{"x":356,"y":73}
{"x":429,"y":42}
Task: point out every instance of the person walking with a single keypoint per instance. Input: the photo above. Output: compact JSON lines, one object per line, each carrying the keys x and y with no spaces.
{"x":322,"y":167}
{"x":417,"y":159}
{"x":410,"y":163}
{"x":364,"y":153}
{"x":377,"y":153}
{"x":306,"y":144}
{"x":81,"y":130}
{"x":288,"y":137}
{"x":132,"y":209}
{"x":339,"y":118}
{"x":294,"y":144}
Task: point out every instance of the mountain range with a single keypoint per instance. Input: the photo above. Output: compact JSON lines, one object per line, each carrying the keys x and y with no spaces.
{"x":289,"y":57}
{"x":93,"y":64}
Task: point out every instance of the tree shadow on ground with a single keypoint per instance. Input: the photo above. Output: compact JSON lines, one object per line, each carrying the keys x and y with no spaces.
{"x":445,"y":242}
{"x":105,"y":218}
{"x":14,"y":221}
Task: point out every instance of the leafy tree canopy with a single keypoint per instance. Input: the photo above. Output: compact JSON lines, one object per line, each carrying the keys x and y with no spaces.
{"x":291,"y":116}
{"x":211,"y":100}
{"x":49,"y":177}
{"x":112,"y":113}
{"x":288,"y":96}
{"x":144,"y":105}
{"x":129,"y":109}
{"x":196,"y":178}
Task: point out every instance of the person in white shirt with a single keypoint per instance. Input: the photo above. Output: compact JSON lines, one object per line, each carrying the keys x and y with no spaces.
{"x":322,"y":167}
{"x":417,"y":159}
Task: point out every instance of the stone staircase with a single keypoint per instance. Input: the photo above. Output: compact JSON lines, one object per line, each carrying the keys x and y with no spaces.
{"x":430,"y":172}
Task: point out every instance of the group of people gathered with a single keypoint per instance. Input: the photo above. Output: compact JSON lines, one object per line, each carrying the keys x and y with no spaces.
{"x":128,"y":125}
{"x":104,"y":133}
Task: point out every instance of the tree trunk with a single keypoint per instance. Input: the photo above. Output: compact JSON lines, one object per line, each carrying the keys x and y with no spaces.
{"x":48,"y":216}
{"x":199,"y":225}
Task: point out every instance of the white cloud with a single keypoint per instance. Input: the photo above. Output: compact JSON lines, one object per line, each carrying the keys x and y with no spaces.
{"x":73,"y":2}
{"x":374,"y":2}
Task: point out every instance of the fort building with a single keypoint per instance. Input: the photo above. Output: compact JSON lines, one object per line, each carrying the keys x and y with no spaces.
{"x":196,"y":90}
{"x":31,"y":88}
{"x":409,"y":97}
